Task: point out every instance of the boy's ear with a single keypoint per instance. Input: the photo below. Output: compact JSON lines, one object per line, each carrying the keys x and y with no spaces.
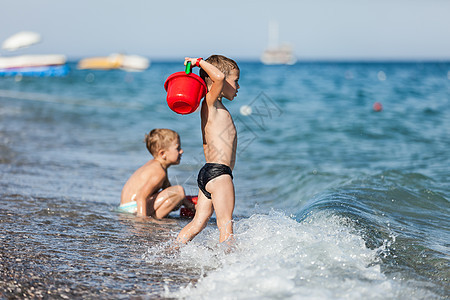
{"x":162,"y":153}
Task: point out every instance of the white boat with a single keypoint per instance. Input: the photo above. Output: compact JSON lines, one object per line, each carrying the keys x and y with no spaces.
{"x":115,"y":61}
{"x":30,"y":65}
{"x":135,"y":63}
{"x":28,"y":61}
{"x":277,"y":54}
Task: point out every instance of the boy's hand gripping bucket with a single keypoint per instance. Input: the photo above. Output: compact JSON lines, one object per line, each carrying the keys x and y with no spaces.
{"x":185,"y":90}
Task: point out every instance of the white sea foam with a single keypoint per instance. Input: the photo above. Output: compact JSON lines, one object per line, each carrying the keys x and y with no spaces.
{"x":279,"y":258}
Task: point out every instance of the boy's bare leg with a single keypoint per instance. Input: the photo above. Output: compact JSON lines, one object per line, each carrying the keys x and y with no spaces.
{"x":166,"y":201}
{"x":222,"y":193}
{"x":203,"y":212}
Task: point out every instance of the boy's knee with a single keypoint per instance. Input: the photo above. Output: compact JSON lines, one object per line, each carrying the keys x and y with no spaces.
{"x":177,"y":196}
{"x":179,"y":190}
{"x":176,"y":192}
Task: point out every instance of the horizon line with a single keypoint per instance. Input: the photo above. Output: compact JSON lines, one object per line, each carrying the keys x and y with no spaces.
{"x":72,"y":59}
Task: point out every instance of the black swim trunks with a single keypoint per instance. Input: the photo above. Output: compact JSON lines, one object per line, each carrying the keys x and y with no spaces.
{"x":208,"y":173}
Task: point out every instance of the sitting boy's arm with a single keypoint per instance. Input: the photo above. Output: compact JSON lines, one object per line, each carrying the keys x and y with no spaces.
{"x":216,"y":76}
{"x":148,"y":189}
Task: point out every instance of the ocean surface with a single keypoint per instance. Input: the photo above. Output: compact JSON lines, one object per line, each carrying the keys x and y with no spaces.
{"x":334,"y":200}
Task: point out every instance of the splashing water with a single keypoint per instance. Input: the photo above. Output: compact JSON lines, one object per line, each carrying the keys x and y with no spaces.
{"x":276,"y":257}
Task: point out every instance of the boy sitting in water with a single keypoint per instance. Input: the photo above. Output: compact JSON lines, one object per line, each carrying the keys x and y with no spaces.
{"x":221,"y":76}
{"x":148,"y":191}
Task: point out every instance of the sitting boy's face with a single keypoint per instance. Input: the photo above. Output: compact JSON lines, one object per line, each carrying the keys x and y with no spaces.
{"x":231,"y":85}
{"x":173,"y":153}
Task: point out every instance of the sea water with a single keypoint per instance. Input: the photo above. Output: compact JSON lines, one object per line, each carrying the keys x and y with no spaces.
{"x":334,"y":200}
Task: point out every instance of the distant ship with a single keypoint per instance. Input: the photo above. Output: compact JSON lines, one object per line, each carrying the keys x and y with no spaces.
{"x":277,"y":54}
{"x":115,"y":61}
{"x":40,"y":65}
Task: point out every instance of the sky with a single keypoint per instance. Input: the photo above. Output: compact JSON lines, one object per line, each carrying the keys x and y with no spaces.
{"x":317,"y":30}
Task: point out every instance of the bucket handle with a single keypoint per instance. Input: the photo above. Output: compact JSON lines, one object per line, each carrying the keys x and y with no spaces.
{"x":188,"y":68}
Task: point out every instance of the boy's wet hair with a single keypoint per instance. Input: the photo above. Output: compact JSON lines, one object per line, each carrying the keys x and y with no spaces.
{"x":160,"y":139}
{"x":224,"y":64}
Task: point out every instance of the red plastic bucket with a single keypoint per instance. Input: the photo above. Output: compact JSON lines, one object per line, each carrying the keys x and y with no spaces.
{"x":185,"y":90}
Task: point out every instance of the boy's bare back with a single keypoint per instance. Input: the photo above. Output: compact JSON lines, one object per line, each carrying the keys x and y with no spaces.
{"x":151,"y":174}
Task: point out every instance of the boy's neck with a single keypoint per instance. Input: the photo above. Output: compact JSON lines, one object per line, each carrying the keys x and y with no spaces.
{"x":163,"y":164}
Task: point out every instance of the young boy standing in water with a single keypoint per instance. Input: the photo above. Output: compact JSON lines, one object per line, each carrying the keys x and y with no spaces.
{"x":215,"y":179}
{"x":148,"y":191}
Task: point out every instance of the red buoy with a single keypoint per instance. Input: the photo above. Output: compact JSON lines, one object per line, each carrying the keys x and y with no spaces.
{"x":377,"y":106}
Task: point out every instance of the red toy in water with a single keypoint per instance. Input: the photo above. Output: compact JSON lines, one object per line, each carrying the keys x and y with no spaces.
{"x":185,"y":90}
{"x":193,"y":199}
{"x":186,"y":212}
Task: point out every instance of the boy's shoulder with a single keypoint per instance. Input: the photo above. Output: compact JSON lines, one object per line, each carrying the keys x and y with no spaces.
{"x":151,"y":172}
{"x":153,"y":168}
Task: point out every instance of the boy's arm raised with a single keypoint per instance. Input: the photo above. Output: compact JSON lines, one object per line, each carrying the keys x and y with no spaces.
{"x":216,"y":76}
